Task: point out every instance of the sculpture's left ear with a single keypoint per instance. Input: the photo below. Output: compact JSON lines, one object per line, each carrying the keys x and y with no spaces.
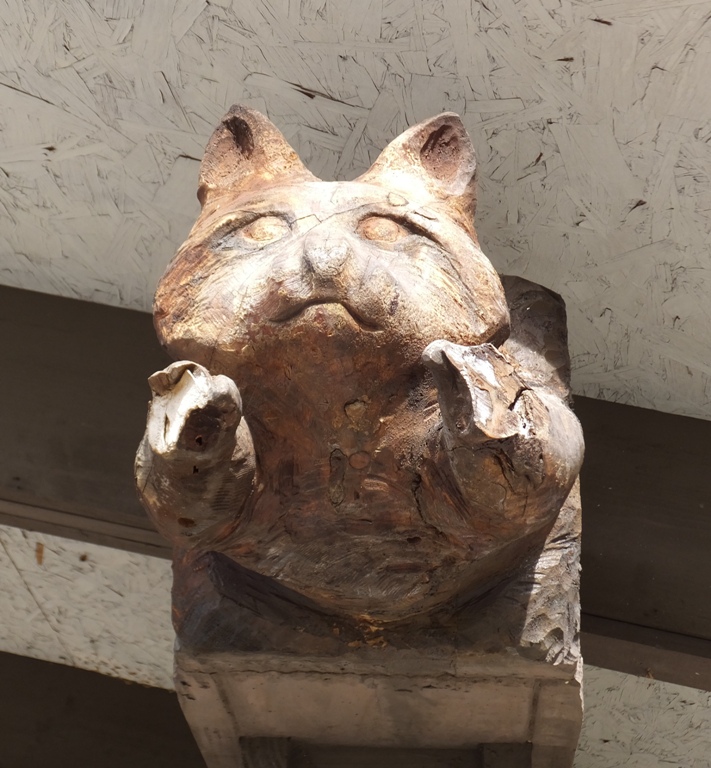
{"x":437,"y":156}
{"x":247,"y":150}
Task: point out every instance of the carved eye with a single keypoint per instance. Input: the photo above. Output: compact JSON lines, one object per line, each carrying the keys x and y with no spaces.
{"x":382,"y":229}
{"x":265,"y":229}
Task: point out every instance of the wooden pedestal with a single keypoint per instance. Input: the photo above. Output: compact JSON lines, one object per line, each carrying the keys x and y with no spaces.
{"x":264,"y":709}
{"x":500,"y":687}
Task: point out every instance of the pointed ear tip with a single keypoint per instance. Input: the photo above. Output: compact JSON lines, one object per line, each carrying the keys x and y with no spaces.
{"x":235,"y":110}
{"x":239,"y":109}
{"x":447,"y":117}
{"x":446,"y":121}
{"x":244,"y":112}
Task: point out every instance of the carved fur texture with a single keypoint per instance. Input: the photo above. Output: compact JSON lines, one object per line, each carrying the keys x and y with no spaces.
{"x":355,"y":418}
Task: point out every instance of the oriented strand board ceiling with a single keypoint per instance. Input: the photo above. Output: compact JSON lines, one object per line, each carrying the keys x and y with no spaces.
{"x":592,"y":120}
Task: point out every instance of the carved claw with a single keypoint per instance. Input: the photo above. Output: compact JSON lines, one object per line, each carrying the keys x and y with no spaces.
{"x":478,"y":390}
{"x":192,"y":410}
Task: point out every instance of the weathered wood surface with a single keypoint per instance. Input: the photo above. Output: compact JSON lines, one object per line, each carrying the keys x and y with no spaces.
{"x":397,"y":455}
{"x":476,"y":703}
{"x":366,"y":461}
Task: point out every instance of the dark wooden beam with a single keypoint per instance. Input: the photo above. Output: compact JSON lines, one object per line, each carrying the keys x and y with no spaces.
{"x":64,"y":717}
{"x":73,"y":398}
{"x":646,"y":490}
{"x":73,"y":410}
{"x":646,"y":652}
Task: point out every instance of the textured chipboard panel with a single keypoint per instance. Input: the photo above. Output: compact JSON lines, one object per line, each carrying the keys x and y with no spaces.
{"x":86,"y":606}
{"x":591,"y":121}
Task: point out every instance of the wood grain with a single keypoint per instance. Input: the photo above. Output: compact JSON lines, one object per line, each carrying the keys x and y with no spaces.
{"x":363,"y":414}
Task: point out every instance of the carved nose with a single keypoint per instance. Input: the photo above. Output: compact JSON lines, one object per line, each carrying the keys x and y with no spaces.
{"x":325,"y":257}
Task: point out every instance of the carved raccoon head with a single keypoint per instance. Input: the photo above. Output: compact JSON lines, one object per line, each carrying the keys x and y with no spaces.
{"x":375,"y":268}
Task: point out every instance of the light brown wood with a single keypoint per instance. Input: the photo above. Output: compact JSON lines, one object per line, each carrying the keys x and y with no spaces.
{"x":648,"y":653}
{"x":496,"y":710}
{"x":364,"y":456}
{"x":396,"y":455}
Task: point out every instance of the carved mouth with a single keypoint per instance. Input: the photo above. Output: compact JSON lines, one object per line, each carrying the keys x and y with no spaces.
{"x":294,"y":312}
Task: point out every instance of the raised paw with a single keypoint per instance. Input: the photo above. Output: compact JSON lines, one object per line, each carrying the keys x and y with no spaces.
{"x":192,"y":412}
{"x":478,"y":390}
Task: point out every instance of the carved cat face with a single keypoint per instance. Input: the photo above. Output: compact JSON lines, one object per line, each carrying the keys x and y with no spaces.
{"x":281,"y":263}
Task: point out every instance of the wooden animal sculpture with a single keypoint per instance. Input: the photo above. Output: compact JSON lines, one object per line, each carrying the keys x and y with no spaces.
{"x":359,"y":423}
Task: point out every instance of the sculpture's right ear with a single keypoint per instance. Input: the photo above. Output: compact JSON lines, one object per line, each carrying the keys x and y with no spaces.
{"x":247,"y":150}
{"x":435,"y":156}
